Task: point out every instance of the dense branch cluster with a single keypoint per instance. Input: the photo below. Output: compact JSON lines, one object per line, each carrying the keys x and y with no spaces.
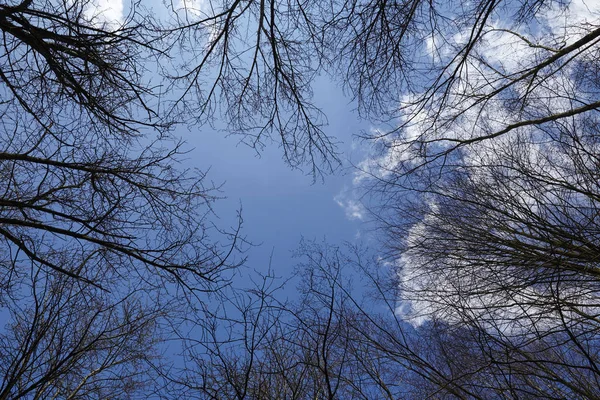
{"x":484,"y":181}
{"x":98,"y":228}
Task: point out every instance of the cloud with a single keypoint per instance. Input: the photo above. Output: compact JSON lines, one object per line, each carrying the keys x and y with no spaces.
{"x":354,"y":209}
{"x":193,"y":8}
{"x":105,"y":13}
{"x":458,"y":113}
{"x":573,"y":21}
{"x":205,"y":12}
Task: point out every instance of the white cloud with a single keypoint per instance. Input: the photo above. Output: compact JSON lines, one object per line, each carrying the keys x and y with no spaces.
{"x":570,"y":23}
{"x":205,"y":12}
{"x":503,"y":53}
{"x":354,"y":209}
{"x":193,"y":8}
{"x":105,"y":13}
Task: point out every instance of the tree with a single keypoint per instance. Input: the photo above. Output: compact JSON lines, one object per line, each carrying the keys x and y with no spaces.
{"x":489,"y":195}
{"x":68,"y":340}
{"x":507,"y":248}
{"x":485,"y":181}
{"x":100,"y":233}
{"x":253,"y":63}
{"x":78,"y":177}
{"x":486,"y":175}
{"x":329,"y":343}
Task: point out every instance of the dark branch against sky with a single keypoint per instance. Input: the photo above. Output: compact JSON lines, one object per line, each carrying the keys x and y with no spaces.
{"x":159,"y":162}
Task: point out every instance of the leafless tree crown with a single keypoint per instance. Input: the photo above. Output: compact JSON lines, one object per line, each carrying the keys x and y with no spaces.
{"x":484,"y":177}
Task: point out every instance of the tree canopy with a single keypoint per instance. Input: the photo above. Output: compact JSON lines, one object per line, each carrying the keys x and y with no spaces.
{"x":482,"y":181}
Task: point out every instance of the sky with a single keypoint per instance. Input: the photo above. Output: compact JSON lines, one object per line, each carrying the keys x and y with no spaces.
{"x":280,"y":205}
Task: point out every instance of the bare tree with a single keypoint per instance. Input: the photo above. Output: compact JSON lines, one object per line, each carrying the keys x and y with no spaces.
{"x":76,"y":174}
{"x":505,"y":247}
{"x":486,"y":186}
{"x":487,"y":180}
{"x":253,"y":63}
{"x":68,"y":340}
{"x":100,"y":232}
{"x":332,"y":342}
{"x":488,"y":176}
{"x":337,"y":342}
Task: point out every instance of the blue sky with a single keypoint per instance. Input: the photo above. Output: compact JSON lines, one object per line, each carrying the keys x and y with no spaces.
{"x":281,"y":205}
